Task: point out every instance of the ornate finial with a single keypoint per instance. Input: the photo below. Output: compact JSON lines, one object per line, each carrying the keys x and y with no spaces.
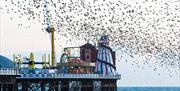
{"x":88,"y":40}
{"x":104,"y":40}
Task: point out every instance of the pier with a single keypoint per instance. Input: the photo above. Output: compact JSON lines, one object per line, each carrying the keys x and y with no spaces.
{"x":84,"y":68}
{"x":13,"y":79}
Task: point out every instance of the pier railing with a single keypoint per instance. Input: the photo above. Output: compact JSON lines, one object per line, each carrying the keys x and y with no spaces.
{"x":51,"y":73}
{"x":91,"y":76}
{"x":71,"y":76}
{"x":9,"y":71}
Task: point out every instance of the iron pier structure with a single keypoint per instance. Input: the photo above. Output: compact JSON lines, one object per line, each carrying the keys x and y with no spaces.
{"x":84,"y":68}
{"x":11,"y":80}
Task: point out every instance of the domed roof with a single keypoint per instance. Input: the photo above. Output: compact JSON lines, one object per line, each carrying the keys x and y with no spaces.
{"x":5,"y":62}
{"x":104,"y":38}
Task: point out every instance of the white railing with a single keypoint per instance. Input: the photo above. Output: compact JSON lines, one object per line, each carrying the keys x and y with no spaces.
{"x":9,"y":71}
{"x":15,"y":71}
{"x":94,"y":76}
{"x":71,"y":76}
{"x":52,"y":73}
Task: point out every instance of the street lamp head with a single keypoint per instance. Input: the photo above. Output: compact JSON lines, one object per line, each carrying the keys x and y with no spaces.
{"x":48,"y":29}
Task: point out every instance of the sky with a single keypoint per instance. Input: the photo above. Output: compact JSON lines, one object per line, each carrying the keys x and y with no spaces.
{"x":18,"y":35}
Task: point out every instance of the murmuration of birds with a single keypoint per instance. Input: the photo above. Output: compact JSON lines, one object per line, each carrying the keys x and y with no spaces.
{"x":149,"y":29}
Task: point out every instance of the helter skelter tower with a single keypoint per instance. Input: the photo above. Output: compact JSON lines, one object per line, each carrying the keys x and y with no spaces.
{"x":105,"y":62}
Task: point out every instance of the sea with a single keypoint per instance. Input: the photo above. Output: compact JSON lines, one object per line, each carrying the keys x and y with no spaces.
{"x":148,"y":88}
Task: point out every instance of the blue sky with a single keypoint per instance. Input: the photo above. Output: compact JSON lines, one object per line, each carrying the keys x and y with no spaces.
{"x":24,"y":39}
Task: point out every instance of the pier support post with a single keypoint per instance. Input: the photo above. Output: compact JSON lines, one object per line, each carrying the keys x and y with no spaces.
{"x":50,"y":86}
{"x":87,"y":85}
{"x":55,"y":85}
{"x":25,"y":86}
{"x":108,"y":85}
{"x":42,"y":86}
{"x":65,"y":85}
{"x":1,"y":87}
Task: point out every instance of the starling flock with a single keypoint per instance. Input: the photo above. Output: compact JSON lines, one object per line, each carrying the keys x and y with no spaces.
{"x":149,"y":29}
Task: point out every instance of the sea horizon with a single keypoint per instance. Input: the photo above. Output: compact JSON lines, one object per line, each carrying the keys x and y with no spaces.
{"x":177,"y":88}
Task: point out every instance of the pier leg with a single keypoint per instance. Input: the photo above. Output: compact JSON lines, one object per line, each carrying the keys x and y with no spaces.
{"x":64,"y":85}
{"x":96,"y":85}
{"x":109,"y":85}
{"x":50,"y":86}
{"x":19,"y":87}
{"x":59,"y":85}
{"x":75,"y":86}
{"x":56,"y":85}
{"x":14,"y":87}
{"x":1,"y":87}
{"x":24,"y":86}
{"x":87,"y":86}
{"x":42,"y":86}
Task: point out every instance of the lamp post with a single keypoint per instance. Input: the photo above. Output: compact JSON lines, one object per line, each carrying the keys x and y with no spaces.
{"x":51,"y":31}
